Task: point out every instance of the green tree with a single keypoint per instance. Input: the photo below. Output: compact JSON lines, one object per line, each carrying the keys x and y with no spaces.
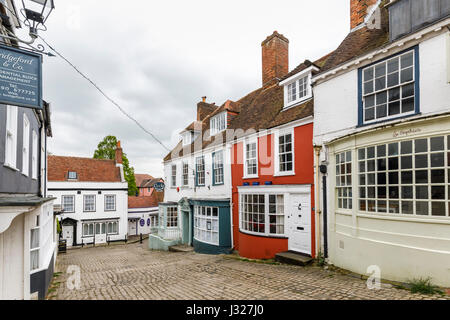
{"x":107,"y":150}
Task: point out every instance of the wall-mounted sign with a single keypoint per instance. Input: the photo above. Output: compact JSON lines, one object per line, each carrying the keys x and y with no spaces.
{"x":159,"y":187}
{"x":20,"y":78}
{"x":148,"y":222}
{"x":142,"y":222}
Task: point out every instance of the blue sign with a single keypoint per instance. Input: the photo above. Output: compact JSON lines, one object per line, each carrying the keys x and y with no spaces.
{"x":148,"y":222}
{"x":142,"y":222}
{"x":20,"y":78}
{"x":159,"y":187}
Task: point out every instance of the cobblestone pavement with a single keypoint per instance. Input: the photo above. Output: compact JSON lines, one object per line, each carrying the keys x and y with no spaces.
{"x":130,"y":272}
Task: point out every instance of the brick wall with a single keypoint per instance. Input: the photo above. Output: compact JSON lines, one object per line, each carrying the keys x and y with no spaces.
{"x":358,"y":11}
{"x":275,"y":57}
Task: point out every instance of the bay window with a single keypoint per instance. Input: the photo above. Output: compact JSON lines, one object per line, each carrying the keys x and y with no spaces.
{"x":344,"y":180}
{"x":172,"y":217}
{"x":406,"y":178}
{"x":206,"y":224}
{"x":262,"y":214}
{"x":389,"y":88}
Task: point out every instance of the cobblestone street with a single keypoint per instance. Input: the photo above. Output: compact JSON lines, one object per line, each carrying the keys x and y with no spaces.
{"x":130,"y":272}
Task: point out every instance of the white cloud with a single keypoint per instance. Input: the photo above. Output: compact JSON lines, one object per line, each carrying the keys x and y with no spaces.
{"x":158,"y":58}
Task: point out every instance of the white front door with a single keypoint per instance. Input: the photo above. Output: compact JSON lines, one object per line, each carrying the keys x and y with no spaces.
{"x":299,"y":223}
{"x":68,"y":235}
{"x":132,"y":227}
{"x":100,"y":233}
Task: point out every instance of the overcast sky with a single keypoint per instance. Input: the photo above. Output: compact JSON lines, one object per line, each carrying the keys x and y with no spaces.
{"x":158,"y":58}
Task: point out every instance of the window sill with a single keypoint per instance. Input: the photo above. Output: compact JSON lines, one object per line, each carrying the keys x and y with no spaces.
{"x":405,"y":218}
{"x":11,"y":167}
{"x":388,"y":120}
{"x":250,"y":177}
{"x":296,"y":103}
{"x":263,"y":235}
{"x":218,"y":184}
{"x":284,"y":174}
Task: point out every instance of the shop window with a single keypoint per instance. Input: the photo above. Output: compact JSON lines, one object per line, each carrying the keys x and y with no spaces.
{"x":206,"y":224}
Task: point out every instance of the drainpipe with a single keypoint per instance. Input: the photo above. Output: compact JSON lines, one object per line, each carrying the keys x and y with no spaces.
{"x":317,"y":150}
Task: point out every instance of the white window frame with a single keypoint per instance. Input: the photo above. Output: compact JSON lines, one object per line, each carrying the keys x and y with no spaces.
{"x":386,"y":89}
{"x":298,"y":80}
{"x":34,"y":160}
{"x":278,"y":134}
{"x":218,"y":166}
{"x":114,"y":202}
{"x":413,"y":186}
{"x":63,"y":203}
{"x":35,"y":250}
{"x":11,"y":137}
{"x":185,"y":174}
{"x":26,"y":146}
{"x":84,"y":202}
{"x":266,"y":194}
{"x":187,"y":138}
{"x":204,"y":224}
{"x":344,"y":185}
{"x":197,"y":164}
{"x":172,"y":220}
{"x":173,"y":176}
{"x":246,"y":175}
{"x":68,"y":175}
{"x":218,"y":123}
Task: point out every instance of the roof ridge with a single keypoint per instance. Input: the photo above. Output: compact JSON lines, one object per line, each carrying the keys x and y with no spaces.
{"x":84,"y":158}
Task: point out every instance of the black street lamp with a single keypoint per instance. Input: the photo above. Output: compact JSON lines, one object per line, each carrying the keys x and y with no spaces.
{"x":36,"y":13}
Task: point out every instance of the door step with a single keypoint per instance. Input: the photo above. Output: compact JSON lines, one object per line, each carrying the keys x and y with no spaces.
{"x":181,"y":248}
{"x":293,"y":258}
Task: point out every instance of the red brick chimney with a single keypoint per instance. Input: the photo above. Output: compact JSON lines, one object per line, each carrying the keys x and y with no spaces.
{"x":275,"y":58}
{"x":119,"y":154}
{"x":358,"y":11}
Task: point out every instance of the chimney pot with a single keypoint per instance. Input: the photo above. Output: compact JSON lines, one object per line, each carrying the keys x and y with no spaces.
{"x":204,"y":99}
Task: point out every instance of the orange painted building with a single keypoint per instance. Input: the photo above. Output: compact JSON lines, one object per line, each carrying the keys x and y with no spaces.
{"x":263,"y":244}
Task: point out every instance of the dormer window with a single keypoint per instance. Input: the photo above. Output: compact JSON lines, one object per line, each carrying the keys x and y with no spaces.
{"x":218,"y":123}
{"x":72,"y":175}
{"x":189,"y":137}
{"x":297,"y":88}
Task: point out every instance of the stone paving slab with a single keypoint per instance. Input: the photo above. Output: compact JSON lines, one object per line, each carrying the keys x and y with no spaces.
{"x":131,"y":272}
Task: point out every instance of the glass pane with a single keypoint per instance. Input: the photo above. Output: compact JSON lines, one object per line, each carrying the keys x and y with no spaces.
{"x":408,"y":105}
{"x":421,"y":145}
{"x":394,"y":108}
{"x":393,"y":65}
{"x":437,"y":144}
{"x":394,"y":94}
{"x":422,"y":208}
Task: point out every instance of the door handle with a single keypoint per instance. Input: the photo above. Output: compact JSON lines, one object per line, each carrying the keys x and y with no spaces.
{"x":301,"y":228}
{"x":299,"y":215}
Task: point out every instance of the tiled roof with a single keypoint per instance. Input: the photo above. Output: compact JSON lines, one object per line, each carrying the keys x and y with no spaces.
{"x":145,"y":202}
{"x":359,"y":42}
{"x":142,"y":178}
{"x":87,"y":169}
{"x":150,"y":183}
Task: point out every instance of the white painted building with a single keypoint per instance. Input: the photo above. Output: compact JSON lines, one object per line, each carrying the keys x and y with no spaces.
{"x":143,"y":214}
{"x":94,"y":198}
{"x":382,"y":123}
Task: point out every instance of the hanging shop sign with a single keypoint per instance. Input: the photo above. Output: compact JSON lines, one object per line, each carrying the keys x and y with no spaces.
{"x":159,"y":186}
{"x":20,"y":78}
